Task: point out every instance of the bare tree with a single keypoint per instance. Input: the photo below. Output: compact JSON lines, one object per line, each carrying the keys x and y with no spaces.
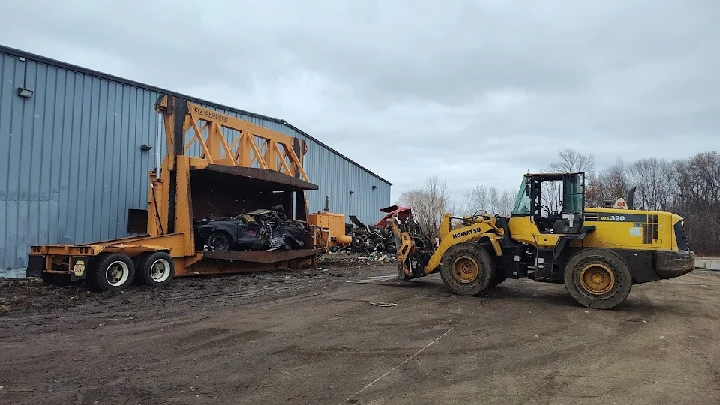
{"x":569,"y":160}
{"x":494,"y":200}
{"x":614,"y":181}
{"x":593,"y":191}
{"x":428,"y":204}
{"x":506,"y":202}
{"x":476,"y":199}
{"x":551,"y":195}
{"x":654,"y":181}
{"x":573,"y":161}
{"x":698,"y":200}
{"x":490,"y":200}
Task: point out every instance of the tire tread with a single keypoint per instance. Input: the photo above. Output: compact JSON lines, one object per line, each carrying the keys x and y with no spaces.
{"x":485,"y":264}
{"x":95,"y":277}
{"x":623,"y":278}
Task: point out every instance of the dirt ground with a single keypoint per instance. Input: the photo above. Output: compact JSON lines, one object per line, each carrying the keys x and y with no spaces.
{"x":351,"y":334}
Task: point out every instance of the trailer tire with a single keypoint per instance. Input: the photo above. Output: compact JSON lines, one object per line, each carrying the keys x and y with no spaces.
{"x":155,"y":269}
{"x":121,"y":266}
{"x":466,"y":269}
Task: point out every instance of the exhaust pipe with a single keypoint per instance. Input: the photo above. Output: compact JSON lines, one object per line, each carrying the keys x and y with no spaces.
{"x":631,"y":198}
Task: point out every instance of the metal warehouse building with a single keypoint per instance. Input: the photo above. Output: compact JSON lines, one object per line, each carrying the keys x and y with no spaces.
{"x":72,"y":160}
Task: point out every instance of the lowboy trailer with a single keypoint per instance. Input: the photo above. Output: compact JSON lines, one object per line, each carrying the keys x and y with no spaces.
{"x":241,"y":167}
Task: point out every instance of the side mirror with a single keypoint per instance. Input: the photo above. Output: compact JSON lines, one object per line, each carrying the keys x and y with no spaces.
{"x":527,"y":189}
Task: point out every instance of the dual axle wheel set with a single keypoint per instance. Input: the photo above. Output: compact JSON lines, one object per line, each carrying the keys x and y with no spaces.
{"x":116,"y":271}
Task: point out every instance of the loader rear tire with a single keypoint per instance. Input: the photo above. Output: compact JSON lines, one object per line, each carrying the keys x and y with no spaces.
{"x":466,"y":269}
{"x":110,"y":272}
{"x":598,"y":279}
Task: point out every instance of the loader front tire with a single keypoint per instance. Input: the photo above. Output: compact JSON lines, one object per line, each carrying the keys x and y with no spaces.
{"x":466,"y":269}
{"x":598,"y":278}
{"x":110,"y":272}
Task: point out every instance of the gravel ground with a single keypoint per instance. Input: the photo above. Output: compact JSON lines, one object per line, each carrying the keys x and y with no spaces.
{"x":349,"y":333}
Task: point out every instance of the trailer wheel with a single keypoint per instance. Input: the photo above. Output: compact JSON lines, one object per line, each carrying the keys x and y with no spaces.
{"x":466,"y":269}
{"x":155,"y":269}
{"x":598,"y":279}
{"x":111,"y":272}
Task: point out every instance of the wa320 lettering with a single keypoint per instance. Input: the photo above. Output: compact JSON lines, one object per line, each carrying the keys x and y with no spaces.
{"x":620,"y":218}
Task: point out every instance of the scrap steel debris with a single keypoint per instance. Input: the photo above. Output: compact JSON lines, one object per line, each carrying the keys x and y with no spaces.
{"x":263,"y":229}
{"x":270,"y":229}
{"x":378,"y":242}
{"x":372,"y":241}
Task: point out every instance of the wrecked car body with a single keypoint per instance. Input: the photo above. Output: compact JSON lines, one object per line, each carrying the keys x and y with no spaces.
{"x":262,"y":229}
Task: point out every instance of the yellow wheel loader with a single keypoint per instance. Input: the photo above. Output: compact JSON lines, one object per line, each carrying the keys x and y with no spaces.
{"x":598,"y":253}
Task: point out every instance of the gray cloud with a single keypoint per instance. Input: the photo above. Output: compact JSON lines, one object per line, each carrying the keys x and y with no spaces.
{"x":474,"y":92}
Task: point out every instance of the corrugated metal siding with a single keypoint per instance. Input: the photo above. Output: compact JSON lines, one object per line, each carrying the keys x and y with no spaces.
{"x":337,"y":179}
{"x":72,"y":157}
{"x":71,"y":164}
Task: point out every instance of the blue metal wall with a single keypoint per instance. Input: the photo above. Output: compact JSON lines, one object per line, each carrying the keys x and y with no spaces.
{"x":71,"y":163}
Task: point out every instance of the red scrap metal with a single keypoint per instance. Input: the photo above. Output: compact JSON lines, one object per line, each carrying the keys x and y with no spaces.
{"x":400,"y":212}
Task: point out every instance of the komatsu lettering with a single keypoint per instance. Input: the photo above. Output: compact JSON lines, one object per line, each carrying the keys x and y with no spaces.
{"x":466,"y":233}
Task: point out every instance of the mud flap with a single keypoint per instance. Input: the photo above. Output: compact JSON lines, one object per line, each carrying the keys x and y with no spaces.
{"x":36,"y":265}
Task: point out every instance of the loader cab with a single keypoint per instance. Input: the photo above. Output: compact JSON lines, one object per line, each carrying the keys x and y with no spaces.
{"x":554,"y":202}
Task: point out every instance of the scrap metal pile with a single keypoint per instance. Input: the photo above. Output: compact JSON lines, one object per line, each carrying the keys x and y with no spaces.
{"x":378,"y":240}
{"x":368,"y":239}
{"x":262,"y":229}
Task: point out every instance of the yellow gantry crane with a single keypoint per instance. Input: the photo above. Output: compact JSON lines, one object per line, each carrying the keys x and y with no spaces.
{"x":241,"y":167}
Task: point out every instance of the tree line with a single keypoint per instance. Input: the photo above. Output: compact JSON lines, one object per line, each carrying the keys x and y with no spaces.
{"x":688,"y":187}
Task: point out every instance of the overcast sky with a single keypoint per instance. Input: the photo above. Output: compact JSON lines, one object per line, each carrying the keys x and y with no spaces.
{"x":470,"y":91}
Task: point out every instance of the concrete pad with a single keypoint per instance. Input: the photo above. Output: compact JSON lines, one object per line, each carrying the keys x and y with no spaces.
{"x":707,"y":263}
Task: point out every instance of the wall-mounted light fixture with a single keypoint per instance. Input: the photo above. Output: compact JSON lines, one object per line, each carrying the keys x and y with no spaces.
{"x":352,"y":192}
{"x":145,"y":147}
{"x":374,"y":187}
{"x":24,"y":93}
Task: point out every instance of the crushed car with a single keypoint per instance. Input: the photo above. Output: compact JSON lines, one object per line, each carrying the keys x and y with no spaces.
{"x":261,"y":229}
